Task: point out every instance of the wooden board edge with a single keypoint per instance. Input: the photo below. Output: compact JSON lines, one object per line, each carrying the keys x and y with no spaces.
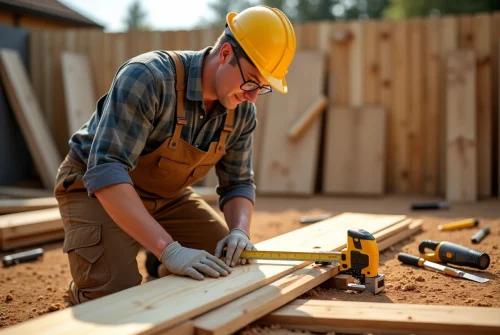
{"x":414,"y":319}
{"x":203,"y":324}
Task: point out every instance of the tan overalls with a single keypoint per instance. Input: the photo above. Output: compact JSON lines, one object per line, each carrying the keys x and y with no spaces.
{"x":102,"y":257}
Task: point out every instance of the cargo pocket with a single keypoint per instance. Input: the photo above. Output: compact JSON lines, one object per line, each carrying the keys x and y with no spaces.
{"x":85,"y":251}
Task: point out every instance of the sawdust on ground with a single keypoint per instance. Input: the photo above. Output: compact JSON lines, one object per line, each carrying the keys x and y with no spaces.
{"x":33,"y":289}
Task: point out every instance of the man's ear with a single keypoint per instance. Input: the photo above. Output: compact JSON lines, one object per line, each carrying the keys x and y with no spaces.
{"x":225,"y":53}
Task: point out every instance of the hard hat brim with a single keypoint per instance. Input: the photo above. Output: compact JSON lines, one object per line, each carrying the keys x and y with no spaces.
{"x":278,"y":84}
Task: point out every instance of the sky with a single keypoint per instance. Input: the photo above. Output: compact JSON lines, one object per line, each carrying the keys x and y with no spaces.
{"x":161,"y":14}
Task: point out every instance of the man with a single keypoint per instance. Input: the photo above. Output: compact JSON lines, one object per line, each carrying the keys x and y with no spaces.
{"x":166,"y":120}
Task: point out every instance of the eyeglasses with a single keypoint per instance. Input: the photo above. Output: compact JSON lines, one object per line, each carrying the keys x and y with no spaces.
{"x":250,"y":85}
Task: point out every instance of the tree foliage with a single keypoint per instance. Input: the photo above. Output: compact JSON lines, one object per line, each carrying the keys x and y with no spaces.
{"x":314,"y":10}
{"x":401,"y":9}
{"x":136,"y":18}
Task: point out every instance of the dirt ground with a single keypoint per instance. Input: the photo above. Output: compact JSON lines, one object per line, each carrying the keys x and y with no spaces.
{"x":33,"y":289}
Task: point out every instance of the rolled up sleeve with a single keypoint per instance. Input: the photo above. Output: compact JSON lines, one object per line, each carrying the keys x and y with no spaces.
{"x":235,"y":170}
{"x":126,"y":121}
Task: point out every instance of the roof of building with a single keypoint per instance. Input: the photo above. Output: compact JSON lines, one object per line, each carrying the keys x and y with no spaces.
{"x":51,"y":9}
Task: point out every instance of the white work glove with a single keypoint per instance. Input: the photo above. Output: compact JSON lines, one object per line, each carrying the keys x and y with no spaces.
{"x":236,"y":242}
{"x":192,"y":262}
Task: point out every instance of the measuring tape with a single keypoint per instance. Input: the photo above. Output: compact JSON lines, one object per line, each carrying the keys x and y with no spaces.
{"x":319,"y":256}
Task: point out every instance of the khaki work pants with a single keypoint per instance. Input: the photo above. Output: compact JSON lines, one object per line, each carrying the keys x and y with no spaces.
{"x":102,"y":257}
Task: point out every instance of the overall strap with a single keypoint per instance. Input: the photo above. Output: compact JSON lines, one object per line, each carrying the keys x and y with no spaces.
{"x":180,"y":90}
{"x":228,"y":127}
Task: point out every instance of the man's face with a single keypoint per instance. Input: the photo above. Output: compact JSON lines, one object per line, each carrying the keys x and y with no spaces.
{"x":232,"y":73}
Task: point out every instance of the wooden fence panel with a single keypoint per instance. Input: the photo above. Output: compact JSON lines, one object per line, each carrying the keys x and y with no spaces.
{"x":399,"y":65}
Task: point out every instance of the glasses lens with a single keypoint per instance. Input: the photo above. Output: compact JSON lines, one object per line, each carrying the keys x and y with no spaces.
{"x":265,"y":89}
{"x":249,"y":86}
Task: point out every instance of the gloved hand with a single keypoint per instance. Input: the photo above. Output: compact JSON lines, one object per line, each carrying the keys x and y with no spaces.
{"x":236,"y":242}
{"x":192,"y":262}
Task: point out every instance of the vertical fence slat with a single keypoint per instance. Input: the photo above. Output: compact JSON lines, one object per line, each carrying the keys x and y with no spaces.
{"x":449,"y":41}
{"x":58,"y":121}
{"x":35,"y":63}
{"x":338,"y":81}
{"x":416,"y":108}
{"x":431,"y":111}
{"x":495,"y":42}
{"x":356,"y":64}
{"x":386,"y":84}
{"x":371,"y":63}
{"x":482,"y":48}
{"x":46,"y":56}
{"x":399,"y":179}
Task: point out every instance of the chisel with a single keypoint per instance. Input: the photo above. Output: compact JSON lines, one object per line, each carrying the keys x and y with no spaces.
{"x":419,"y":261}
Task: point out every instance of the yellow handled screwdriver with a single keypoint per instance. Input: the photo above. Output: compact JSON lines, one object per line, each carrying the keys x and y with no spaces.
{"x":467,"y":223}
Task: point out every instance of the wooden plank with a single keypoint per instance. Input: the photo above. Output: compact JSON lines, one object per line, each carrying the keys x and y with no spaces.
{"x":416,"y":120}
{"x":300,"y":127}
{"x":414,"y":227}
{"x":449,"y":42}
{"x":258,"y":136}
{"x":35,"y":63}
{"x":23,"y":205}
{"x":242,"y":311}
{"x":355,"y":150}
{"x":24,"y":192}
{"x":399,"y":123}
{"x":495,"y":36}
{"x":385,"y":40}
{"x":285,"y":166}
{"x":371,"y":67}
{"x":28,"y":114}
{"x":338,"y":81}
{"x":484,"y":125}
{"x":30,"y":228}
{"x":349,"y":316}
{"x":32,"y":240}
{"x":356,"y":64}
{"x":431,"y":112}
{"x":461,"y":169}
{"x":97,"y":62}
{"x":79,"y":89}
{"x":57,"y":121}
{"x":165,"y":302}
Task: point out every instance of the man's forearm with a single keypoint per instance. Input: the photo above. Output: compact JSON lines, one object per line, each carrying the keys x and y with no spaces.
{"x":124,"y":206}
{"x":238,"y":213}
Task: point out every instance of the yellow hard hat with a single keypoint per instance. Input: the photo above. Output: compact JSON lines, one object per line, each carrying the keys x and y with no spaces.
{"x":267,"y":37}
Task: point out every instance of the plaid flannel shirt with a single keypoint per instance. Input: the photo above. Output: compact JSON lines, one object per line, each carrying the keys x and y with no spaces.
{"x":138,"y":114}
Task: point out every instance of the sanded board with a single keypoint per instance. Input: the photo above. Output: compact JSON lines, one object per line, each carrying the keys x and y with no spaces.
{"x":288,"y":167}
{"x":165,"y":302}
{"x":24,"y":192}
{"x":360,"y":317}
{"x":29,"y":228}
{"x":79,"y":89}
{"x":8,"y":206}
{"x":461,"y":137}
{"x":242,"y":311}
{"x":28,"y":114}
{"x":355,"y":150}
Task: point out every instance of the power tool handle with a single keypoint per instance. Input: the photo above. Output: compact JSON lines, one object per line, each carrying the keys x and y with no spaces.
{"x":427,"y":244}
{"x":408,"y":259}
{"x":20,"y":257}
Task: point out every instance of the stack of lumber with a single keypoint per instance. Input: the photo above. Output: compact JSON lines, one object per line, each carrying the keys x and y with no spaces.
{"x":28,"y":217}
{"x":174,"y":304}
